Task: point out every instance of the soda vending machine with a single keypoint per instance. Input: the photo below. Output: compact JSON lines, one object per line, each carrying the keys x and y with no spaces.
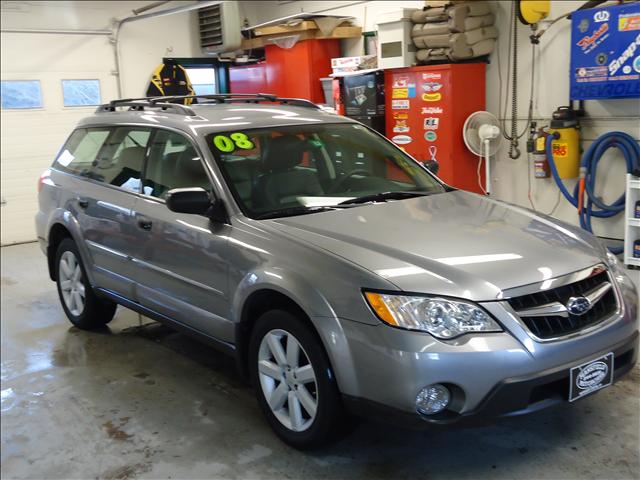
{"x":426,"y":110}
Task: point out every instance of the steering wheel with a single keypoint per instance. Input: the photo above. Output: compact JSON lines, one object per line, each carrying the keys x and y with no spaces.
{"x":348,"y":176}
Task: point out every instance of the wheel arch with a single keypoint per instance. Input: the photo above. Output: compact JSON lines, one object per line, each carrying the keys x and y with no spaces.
{"x":253,"y":298}
{"x":64,"y":225}
{"x":57,"y":234}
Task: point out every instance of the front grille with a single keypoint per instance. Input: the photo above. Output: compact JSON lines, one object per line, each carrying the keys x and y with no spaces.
{"x":550,"y":326}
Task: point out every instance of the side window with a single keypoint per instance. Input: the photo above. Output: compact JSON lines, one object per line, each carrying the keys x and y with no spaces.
{"x":173,"y":163}
{"x":80,"y":151}
{"x":121,"y":159}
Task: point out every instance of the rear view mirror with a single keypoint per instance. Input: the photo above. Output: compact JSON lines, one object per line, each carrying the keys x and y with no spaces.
{"x":188,"y":200}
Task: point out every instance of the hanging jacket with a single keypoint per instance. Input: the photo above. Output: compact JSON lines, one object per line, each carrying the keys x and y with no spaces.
{"x":168,"y":80}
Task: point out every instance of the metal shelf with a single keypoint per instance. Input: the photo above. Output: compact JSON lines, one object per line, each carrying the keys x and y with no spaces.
{"x":632,"y":261}
{"x":632,"y":224}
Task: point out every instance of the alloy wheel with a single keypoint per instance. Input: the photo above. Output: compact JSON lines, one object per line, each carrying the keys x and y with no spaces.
{"x":71,"y":285}
{"x":288,"y":380}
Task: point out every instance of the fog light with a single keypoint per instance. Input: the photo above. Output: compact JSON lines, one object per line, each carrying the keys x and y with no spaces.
{"x":432,"y":399}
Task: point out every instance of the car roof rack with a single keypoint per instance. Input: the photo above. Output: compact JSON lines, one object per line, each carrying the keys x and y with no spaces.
{"x":139,"y":104}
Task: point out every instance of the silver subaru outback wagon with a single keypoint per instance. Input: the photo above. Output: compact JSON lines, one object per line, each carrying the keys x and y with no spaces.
{"x":343,"y":276}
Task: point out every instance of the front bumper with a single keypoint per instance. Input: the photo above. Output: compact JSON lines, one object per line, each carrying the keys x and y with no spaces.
{"x":510,"y":397}
{"x":380,"y":369}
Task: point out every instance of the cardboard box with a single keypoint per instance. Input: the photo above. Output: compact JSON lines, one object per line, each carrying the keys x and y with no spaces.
{"x":351,"y":64}
{"x":338,"y":32}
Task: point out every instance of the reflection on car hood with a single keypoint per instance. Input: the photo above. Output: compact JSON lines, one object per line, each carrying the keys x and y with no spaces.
{"x":457,"y":244}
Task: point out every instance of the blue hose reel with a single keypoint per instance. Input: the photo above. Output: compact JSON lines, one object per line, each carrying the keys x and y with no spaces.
{"x":594,"y":206}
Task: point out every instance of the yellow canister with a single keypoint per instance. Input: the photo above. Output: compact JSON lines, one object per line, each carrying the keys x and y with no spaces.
{"x":566,"y":148}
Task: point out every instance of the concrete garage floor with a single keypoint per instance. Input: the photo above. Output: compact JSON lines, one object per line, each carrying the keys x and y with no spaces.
{"x":144,"y":402}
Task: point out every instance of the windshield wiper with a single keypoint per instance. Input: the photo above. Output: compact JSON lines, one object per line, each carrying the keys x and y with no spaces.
{"x":384,"y":196}
{"x":289,"y":212}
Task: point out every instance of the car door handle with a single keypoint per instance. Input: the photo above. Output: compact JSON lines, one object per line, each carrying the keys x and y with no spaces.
{"x":145,"y":224}
{"x":82,"y":202}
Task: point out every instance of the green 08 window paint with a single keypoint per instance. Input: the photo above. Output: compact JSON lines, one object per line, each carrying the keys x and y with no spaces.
{"x":242,"y":141}
{"x":223,"y":143}
{"x":235,"y":140}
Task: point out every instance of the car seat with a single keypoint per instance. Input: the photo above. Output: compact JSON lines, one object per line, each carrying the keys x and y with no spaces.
{"x":282,"y":182}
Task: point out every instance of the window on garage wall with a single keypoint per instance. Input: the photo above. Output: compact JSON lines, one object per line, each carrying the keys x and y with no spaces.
{"x":207,"y":75}
{"x":203,"y":80}
{"x":20,"y":94}
{"x":79,"y":93}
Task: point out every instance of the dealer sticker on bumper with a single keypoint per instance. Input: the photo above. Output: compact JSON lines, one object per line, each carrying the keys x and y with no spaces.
{"x":591,"y":376}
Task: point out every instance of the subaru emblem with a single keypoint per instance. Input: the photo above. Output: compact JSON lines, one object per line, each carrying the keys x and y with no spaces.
{"x":578,"y":305}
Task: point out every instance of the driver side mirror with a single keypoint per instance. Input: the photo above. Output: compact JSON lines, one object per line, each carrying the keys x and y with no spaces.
{"x":196,"y":201}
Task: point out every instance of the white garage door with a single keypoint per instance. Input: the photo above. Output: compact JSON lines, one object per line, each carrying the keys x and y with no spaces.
{"x":31,"y":137}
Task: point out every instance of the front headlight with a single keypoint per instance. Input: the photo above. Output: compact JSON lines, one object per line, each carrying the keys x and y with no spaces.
{"x":613,"y":262}
{"x":618,"y":270}
{"x":441,"y":317}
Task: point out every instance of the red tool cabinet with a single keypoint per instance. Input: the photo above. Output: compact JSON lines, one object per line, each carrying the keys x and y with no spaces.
{"x":288,"y":72}
{"x":249,"y":78}
{"x":425,"y":111}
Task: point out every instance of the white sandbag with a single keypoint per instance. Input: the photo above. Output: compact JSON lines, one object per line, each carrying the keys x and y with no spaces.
{"x":432,"y":54}
{"x":421,"y":29}
{"x":434,"y":41}
{"x":418,"y":16}
{"x":437,"y":3}
{"x":485,"y":47}
{"x":461,"y":21}
{"x":471,"y":23}
{"x":476,"y":8}
{"x":442,"y":3}
{"x":459,"y":49}
{"x":480,"y":34}
{"x":429,"y":15}
{"x":419,"y":42}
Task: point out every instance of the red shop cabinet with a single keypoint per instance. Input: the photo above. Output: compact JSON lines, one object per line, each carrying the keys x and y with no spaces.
{"x":296,"y":71}
{"x":249,"y":78}
{"x":288,"y":72}
{"x":426,"y":108}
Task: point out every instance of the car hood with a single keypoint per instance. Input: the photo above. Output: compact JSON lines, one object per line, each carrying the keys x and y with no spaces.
{"x":457,"y":243}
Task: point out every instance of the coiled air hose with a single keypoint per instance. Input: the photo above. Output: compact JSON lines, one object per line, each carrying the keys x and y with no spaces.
{"x":594,"y":206}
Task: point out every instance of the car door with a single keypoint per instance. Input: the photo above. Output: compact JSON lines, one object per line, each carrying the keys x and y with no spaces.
{"x":105,"y":204}
{"x":181,"y":265}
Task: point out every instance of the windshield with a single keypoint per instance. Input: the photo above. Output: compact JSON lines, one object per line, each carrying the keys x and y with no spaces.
{"x":298,"y":168}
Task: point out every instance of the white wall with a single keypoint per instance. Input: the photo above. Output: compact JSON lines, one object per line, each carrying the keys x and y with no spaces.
{"x":53,"y":57}
{"x":511,"y":177}
{"x":31,"y":138}
{"x":364,"y":13}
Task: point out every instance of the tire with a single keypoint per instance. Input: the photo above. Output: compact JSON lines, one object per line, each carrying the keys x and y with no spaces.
{"x":299,"y":427}
{"x":83,"y":307}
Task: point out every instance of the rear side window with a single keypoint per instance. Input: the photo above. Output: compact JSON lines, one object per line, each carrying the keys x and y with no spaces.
{"x":173,"y":163}
{"x":121,"y":158}
{"x":81,"y":150}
